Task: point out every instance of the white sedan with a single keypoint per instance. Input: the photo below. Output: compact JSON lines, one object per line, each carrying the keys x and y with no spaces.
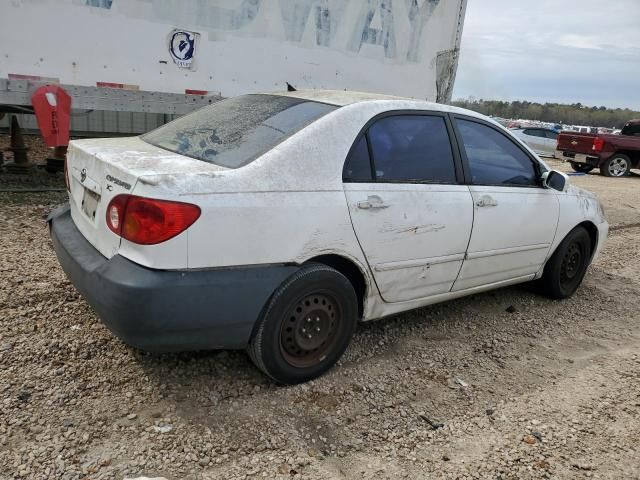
{"x":274,"y":222}
{"x":543,"y":141}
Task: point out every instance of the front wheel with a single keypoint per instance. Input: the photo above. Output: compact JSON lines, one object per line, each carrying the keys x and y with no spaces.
{"x":581,"y":167}
{"x":306,"y":325}
{"x":566,"y":268}
{"x":618,"y":165}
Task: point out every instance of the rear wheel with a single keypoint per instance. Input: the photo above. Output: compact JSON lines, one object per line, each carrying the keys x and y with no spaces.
{"x":566,"y":268}
{"x":306,"y":326}
{"x":618,"y":165}
{"x":581,"y":167}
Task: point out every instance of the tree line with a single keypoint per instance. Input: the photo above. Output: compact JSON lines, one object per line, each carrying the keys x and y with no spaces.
{"x":574,"y":114}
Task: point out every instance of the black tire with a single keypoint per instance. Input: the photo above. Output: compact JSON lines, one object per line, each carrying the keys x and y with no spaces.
{"x":619,"y":165}
{"x":306,"y":326}
{"x":581,"y":167}
{"x":566,"y":268}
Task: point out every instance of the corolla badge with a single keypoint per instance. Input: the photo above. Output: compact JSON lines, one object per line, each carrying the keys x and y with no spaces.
{"x":83,"y":175}
{"x":182,"y":47}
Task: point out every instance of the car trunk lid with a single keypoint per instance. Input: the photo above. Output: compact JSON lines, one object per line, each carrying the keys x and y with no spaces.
{"x":100,"y":169}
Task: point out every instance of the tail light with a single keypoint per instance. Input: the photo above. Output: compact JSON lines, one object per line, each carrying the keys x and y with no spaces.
{"x":598,"y":144}
{"x":148,"y":221}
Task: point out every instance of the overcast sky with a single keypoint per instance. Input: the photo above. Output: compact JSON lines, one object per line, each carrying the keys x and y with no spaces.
{"x":567,"y":51}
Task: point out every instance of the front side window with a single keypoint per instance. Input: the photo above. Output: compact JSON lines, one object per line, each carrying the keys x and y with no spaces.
{"x":412,"y":148}
{"x":493,"y":158}
{"x":551,"y":135}
{"x":236,"y":131}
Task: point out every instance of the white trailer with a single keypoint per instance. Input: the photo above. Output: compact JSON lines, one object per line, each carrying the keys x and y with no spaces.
{"x":152,"y":59}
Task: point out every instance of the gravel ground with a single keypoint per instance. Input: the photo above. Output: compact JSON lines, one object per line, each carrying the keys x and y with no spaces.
{"x":500,"y":385}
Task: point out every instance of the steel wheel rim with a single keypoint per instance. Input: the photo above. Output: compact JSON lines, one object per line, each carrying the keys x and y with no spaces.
{"x":310,"y":330}
{"x":618,"y":167}
{"x":571,"y":264}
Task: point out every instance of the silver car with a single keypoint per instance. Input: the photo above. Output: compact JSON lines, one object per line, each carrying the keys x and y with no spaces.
{"x":541,"y":140}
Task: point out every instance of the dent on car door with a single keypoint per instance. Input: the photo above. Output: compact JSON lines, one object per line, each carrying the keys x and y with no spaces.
{"x":410,"y":215}
{"x":515,"y":218}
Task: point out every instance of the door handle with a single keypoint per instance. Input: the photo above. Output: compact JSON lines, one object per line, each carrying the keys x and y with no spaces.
{"x":486,"y":201}
{"x":372,"y":202}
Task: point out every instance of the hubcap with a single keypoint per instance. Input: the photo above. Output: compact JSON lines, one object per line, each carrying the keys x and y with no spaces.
{"x":571,"y":263}
{"x":618,"y":167}
{"x":310,"y":330}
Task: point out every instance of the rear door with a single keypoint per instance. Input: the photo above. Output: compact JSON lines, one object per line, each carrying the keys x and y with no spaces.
{"x":515,"y":218}
{"x":410,"y":211}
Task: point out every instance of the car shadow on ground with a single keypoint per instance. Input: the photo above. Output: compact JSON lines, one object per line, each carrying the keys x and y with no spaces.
{"x":230,"y":374}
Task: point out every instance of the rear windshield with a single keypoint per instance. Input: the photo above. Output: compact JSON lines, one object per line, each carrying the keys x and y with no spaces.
{"x":236,"y":131}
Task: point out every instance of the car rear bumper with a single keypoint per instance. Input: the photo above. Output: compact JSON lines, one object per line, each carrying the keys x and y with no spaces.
{"x":577,"y":158}
{"x":165,"y":310}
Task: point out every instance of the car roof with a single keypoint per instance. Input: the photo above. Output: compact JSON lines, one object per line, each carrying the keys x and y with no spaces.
{"x":342,"y":98}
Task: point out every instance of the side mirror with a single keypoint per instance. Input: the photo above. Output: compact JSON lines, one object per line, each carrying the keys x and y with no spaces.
{"x":556,"y":180}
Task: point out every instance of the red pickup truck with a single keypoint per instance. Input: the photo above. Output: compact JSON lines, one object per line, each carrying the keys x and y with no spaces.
{"x":614,"y":155}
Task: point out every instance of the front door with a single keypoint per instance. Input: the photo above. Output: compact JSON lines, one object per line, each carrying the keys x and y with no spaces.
{"x":515,"y":219}
{"x":411,"y":216}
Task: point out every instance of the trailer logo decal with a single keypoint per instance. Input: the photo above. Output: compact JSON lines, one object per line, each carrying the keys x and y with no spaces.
{"x":182,"y":47}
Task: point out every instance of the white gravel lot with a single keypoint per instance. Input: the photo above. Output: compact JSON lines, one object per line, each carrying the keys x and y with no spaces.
{"x":503,"y":385}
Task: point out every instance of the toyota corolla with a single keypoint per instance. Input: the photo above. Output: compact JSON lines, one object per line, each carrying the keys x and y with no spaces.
{"x":275,"y":222}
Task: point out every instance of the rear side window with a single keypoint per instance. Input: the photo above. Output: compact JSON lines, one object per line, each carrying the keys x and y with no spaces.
{"x":412,"y":148}
{"x":551,"y":135}
{"x":358,"y":165}
{"x":493,"y":158}
{"x":236,"y":131}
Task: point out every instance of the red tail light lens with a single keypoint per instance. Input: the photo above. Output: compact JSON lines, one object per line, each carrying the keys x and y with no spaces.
{"x":598,"y":144}
{"x":148,"y":221}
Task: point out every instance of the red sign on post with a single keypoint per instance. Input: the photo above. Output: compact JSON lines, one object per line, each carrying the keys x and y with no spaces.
{"x":52,"y":106}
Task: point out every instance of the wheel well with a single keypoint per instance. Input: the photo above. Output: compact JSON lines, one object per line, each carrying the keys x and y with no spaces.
{"x":592,"y":230}
{"x":350,"y":270}
{"x":633,"y":155}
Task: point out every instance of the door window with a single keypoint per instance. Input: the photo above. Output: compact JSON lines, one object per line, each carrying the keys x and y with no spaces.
{"x":551,"y":135}
{"x":493,"y":158}
{"x":358,"y":165}
{"x":412,"y":148}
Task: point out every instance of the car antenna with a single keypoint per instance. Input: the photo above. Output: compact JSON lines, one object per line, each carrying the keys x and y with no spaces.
{"x":291,"y":88}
